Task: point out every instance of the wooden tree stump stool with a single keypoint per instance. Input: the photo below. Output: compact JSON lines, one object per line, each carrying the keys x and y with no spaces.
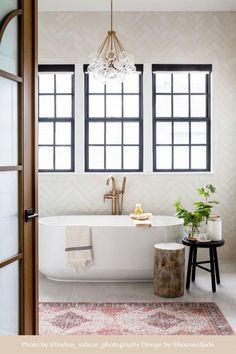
{"x":169,"y":265}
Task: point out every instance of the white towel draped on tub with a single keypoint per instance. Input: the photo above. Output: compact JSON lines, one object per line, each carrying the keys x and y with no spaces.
{"x":78,"y":247}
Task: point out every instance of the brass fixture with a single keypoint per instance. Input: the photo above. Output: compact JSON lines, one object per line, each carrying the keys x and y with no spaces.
{"x":114,"y":195}
{"x":111,"y":62}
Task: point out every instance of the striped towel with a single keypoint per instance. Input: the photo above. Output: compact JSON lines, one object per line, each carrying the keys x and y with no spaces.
{"x":78,"y":247}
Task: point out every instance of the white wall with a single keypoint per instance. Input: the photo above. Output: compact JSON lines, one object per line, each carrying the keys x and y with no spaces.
{"x":152,"y":38}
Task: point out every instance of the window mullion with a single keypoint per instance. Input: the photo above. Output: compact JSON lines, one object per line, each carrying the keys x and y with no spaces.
{"x":189,"y":114}
{"x":122,"y":126}
{"x":105,"y":127}
{"x":172,"y":123}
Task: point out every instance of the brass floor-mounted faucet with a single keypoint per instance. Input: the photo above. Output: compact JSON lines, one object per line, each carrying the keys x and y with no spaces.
{"x":114,"y":195}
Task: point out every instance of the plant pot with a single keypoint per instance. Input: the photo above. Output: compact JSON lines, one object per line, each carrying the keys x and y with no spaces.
{"x":202,"y":229}
{"x":191,"y":232}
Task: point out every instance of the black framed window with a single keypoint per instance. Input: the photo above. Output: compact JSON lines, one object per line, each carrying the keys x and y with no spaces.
{"x":114,"y":124}
{"x":56,"y":118}
{"x":181,"y":117}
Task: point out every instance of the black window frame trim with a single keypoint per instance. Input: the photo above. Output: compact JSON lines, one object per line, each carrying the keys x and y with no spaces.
{"x":187,"y":68}
{"x":59,"y":68}
{"x":87,"y":119}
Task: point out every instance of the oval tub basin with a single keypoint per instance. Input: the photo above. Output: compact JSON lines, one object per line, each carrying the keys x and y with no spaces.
{"x":121,"y":250}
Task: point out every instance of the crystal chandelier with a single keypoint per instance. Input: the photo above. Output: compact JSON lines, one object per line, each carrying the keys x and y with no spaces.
{"x":111,"y":61}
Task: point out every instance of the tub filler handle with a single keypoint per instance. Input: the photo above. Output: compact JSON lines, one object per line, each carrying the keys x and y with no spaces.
{"x":30,"y":214}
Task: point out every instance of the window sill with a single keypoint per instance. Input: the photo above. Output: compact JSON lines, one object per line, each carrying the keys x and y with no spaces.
{"x":157,"y":174}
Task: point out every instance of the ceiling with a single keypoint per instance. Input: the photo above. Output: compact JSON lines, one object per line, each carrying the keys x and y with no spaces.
{"x":137,"y":5}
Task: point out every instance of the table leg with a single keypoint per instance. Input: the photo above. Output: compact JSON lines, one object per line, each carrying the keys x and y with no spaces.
{"x":194,"y":263}
{"x":216,"y":265}
{"x":190,"y":259}
{"x":213,"y":281}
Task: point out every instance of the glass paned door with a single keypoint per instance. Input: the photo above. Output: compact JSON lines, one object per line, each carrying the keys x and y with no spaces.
{"x":10,"y":169}
{"x":17,"y":250}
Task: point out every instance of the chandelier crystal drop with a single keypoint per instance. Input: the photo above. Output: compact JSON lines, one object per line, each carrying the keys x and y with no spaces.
{"x":111,"y":61}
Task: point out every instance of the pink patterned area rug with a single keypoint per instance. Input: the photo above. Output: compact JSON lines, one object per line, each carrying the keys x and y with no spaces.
{"x":166,"y":318}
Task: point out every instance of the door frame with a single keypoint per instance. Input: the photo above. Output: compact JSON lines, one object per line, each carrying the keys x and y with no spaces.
{"x":29,"y":183}
{"x":26,"y":168}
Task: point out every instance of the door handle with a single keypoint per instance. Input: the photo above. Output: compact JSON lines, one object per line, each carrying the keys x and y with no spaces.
{"x":30,"y":214}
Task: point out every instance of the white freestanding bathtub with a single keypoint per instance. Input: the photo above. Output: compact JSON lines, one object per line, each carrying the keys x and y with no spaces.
{"x":121,"y":250}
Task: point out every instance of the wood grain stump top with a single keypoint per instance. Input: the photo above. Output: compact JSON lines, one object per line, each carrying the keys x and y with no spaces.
{"x":169,"y":265}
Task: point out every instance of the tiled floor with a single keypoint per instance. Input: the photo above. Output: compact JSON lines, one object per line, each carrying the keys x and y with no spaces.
{"x":225,"y":296}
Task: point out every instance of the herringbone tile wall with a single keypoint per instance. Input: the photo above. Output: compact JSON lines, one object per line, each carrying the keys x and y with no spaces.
{"x":152,"y":38}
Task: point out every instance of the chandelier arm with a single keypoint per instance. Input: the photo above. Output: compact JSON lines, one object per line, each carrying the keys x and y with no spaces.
{"x":112,"y":40}
{"x":119,"y":44}
{"x":102,"y":46}
{"x":117,"y":48}
{"x":120,"y":49}
{"x":107,"y":47}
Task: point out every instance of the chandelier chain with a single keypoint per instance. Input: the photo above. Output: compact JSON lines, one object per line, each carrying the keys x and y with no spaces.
{"x":111,"y":15}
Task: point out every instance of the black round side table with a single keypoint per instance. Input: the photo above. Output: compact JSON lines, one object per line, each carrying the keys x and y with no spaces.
{"x":192,"y":260}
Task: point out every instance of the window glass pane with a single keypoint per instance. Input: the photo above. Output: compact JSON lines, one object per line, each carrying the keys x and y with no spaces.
{"x":113,"y":87}
{"x":198,"y":133}
{"x":9,"y":46}
{"x":198,"y":106}
{"x":46,"y":106}
{"x":181,"y":106}
{"x":63,"y":133}
{"x":198,"y":82}
{"x":163,"y":82}
{"x":45,"y":133}
{"x":95,"y":85}
{"x":9,"y":299}
{"x":163,"y":106}
{"x":45,"y":158}
{"x":96,"y":106}
{"x":131,"y":83}
{"x":96,"y":133}
{"x":113,"y":133}
{"x":8,"y":122}
{"x":64,"y":106}
{"x":96,"y":158}
{"x":163,"y":157}
{"x":181,"y":157}
{"x":131,"y":106}
{"x":163,"y":133}
{"x":9,"y":225}
{"x":113,"y":106}
{"x":64,"y":83}
{"x":198,"y":157}
{"x":63,"y":158}
{"x":180,"y":82}
{"x":131,"y":133}
{"x":131,"y":158}
{"x":113,"y":156}
{"x":46,"y":83}
{"x":181,"y":133}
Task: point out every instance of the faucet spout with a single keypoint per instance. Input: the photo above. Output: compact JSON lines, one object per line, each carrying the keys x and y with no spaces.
{"x":114,"y":195}
{"x":113,"y":183}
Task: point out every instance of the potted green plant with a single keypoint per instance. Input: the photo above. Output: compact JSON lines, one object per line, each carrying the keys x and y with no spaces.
{"x":200,"y":214}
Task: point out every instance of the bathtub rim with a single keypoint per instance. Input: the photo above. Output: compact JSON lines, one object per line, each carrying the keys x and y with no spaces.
{"x":44,"y":220}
